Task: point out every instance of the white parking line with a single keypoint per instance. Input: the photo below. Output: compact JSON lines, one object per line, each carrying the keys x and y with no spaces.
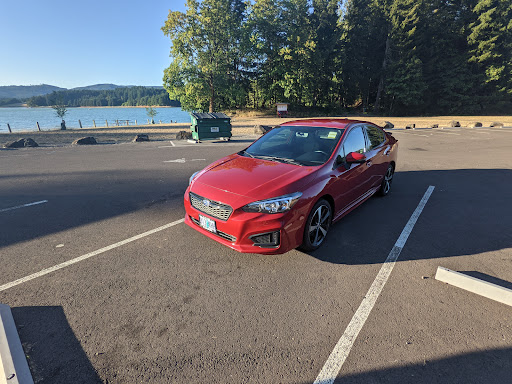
{"x":411,"y":133}
{"x":86,"y":256}
{"x":341,"y":351}
{"x":449,"y":133}
{"x":168,"y":146}
{"x":24,"y":205}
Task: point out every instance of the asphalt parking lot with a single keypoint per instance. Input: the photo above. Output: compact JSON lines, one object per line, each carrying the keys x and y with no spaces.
{"x":144,"y":298}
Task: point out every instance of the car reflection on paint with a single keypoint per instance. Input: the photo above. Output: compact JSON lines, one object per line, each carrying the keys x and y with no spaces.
{"x":286,"y":189}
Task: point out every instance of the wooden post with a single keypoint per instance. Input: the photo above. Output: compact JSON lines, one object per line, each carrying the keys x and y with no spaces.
{"x":38,"y":127}
{"x":117,"y":123}
{"x":127,"y":122}
{"x":80,"y":123}
{"x":9,"y":128}
{"x":135,"y":121}
{"x":94,"y":123}
{"x":106,"y":122}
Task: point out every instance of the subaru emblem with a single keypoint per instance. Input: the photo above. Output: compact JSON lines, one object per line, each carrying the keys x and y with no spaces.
{"x":206,"y":203}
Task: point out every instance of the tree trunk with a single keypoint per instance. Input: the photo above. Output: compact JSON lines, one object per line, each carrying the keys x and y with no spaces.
{"x":383,"y":74}
{"x":212,"y":95}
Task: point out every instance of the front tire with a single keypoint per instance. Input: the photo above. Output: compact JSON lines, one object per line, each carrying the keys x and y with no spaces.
{"x":317,"y":226}
{"x":385,"y":187}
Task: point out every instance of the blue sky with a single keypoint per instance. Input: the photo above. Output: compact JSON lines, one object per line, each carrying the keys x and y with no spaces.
{"x":71,"y":43}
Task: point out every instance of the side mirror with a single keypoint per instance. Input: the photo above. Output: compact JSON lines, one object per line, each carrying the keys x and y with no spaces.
{"x":355,"y":157}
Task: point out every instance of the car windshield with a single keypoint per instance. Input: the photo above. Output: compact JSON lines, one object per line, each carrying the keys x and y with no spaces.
{"x":296,"y":145}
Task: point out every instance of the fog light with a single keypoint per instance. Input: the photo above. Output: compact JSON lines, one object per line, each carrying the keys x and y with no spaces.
{"x":266,"y":240}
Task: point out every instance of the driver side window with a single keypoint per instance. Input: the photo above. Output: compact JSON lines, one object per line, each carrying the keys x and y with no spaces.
{"x":355,"y":142}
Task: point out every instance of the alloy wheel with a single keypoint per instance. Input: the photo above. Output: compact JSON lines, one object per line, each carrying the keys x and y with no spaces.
{"x":319,"y":226}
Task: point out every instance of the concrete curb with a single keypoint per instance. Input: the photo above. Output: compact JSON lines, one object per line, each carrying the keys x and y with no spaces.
{"x":13,"y":364}
{"x":472,"y":284}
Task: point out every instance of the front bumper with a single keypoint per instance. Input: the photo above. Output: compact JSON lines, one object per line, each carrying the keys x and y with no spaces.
{"x":236,"y":232}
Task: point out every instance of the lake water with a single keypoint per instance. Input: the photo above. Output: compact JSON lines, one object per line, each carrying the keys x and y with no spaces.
{"x":22,"y":119}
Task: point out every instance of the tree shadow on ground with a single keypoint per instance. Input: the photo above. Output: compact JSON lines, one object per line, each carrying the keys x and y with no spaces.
{"x":469,"y":212}
{"x":490,"y":366}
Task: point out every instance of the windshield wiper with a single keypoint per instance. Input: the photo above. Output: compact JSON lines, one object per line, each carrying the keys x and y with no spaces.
{"x":245,"y":153}
{"x":279,"y":159}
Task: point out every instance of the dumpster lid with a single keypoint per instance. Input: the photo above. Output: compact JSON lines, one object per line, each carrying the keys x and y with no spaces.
{"x":214,"y":115}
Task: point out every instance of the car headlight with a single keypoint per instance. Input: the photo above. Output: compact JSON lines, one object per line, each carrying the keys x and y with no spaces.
{"x":192,"y":177}
{"x":276,"y":205}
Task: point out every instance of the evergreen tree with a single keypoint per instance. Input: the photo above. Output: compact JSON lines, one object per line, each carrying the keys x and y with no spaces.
{"x":297,"y":54}
{"x":445,"y":57}
{"x":267,"y":38}
{"x":326,"y":37}
{"x":491,"y":51}
{"x":406,"y":84}
{"x":364,"y":33}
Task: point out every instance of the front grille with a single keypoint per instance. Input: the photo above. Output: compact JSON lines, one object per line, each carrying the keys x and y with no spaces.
{"x":224,"y":235}
{"x":213,"y":208}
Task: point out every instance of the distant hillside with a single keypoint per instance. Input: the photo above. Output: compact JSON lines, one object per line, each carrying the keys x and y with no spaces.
{"x":26,"y":91}
{"x":120,"y":96}
{"x":99,"y":87}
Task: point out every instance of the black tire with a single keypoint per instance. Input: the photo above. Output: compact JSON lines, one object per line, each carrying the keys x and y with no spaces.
{"x":385,"y":187}
{"x":317,"y":226}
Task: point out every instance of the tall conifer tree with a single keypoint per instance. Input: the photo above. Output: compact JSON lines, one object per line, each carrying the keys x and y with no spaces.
{"x":491,"y":49}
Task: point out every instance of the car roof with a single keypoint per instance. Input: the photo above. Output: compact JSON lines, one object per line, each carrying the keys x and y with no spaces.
{"x":340,"y":123}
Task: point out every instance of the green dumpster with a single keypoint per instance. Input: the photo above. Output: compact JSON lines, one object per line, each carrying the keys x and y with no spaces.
{"x":210,"y":126}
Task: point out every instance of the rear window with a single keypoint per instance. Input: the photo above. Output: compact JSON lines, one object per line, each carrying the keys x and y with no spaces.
{"x":375,"y":135}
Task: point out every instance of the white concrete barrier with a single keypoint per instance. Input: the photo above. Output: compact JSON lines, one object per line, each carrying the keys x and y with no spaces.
{"x":472,"y":284}
{"x":13,"y":364}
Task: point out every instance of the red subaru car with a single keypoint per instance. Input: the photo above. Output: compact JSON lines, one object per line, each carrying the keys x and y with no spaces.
{"x":286,"y":189}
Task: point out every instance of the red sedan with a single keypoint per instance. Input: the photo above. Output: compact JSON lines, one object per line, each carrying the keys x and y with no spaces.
{"x":286,"y":189}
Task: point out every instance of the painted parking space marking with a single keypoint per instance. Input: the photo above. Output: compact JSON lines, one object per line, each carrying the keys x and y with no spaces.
{"x":182,"y":160}
{"x":168,"y":146}
{"x":65,"y":264}
{"x":448,"y":133}
{"x":412,"y":133}
{"x":342,"y":349}
{"x":23,"y":206}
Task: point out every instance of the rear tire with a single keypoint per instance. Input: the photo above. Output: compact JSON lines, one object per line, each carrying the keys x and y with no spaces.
{"x":317,"y":226}
{"x":385,"y":187}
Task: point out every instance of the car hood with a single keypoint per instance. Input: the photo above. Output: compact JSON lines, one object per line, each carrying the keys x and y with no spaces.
{"x":254,"y":178}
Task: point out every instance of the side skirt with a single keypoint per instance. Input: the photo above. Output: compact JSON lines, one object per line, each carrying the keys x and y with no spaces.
{"x":355,"y":203}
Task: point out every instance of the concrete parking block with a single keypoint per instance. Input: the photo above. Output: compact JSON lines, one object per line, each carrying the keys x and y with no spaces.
{"x":13,"y":364}
{"x":472,"y":284}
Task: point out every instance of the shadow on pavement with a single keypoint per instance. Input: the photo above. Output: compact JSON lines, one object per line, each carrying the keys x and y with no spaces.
{"x":80,"y":198}
{"x":488,"y":278}
{"x":469,"y":212}
{"x":490,"y":366}
{"x":54,"y":354}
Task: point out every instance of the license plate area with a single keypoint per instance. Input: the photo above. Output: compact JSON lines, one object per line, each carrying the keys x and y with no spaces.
{"x":207,"y":224}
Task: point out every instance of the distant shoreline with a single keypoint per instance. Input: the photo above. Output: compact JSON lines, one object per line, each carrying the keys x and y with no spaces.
{"x":113,"y":106}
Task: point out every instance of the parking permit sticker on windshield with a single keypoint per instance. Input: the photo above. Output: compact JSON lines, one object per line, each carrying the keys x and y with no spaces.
{"x":302,"y":134}
{"x":332,"y":135}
